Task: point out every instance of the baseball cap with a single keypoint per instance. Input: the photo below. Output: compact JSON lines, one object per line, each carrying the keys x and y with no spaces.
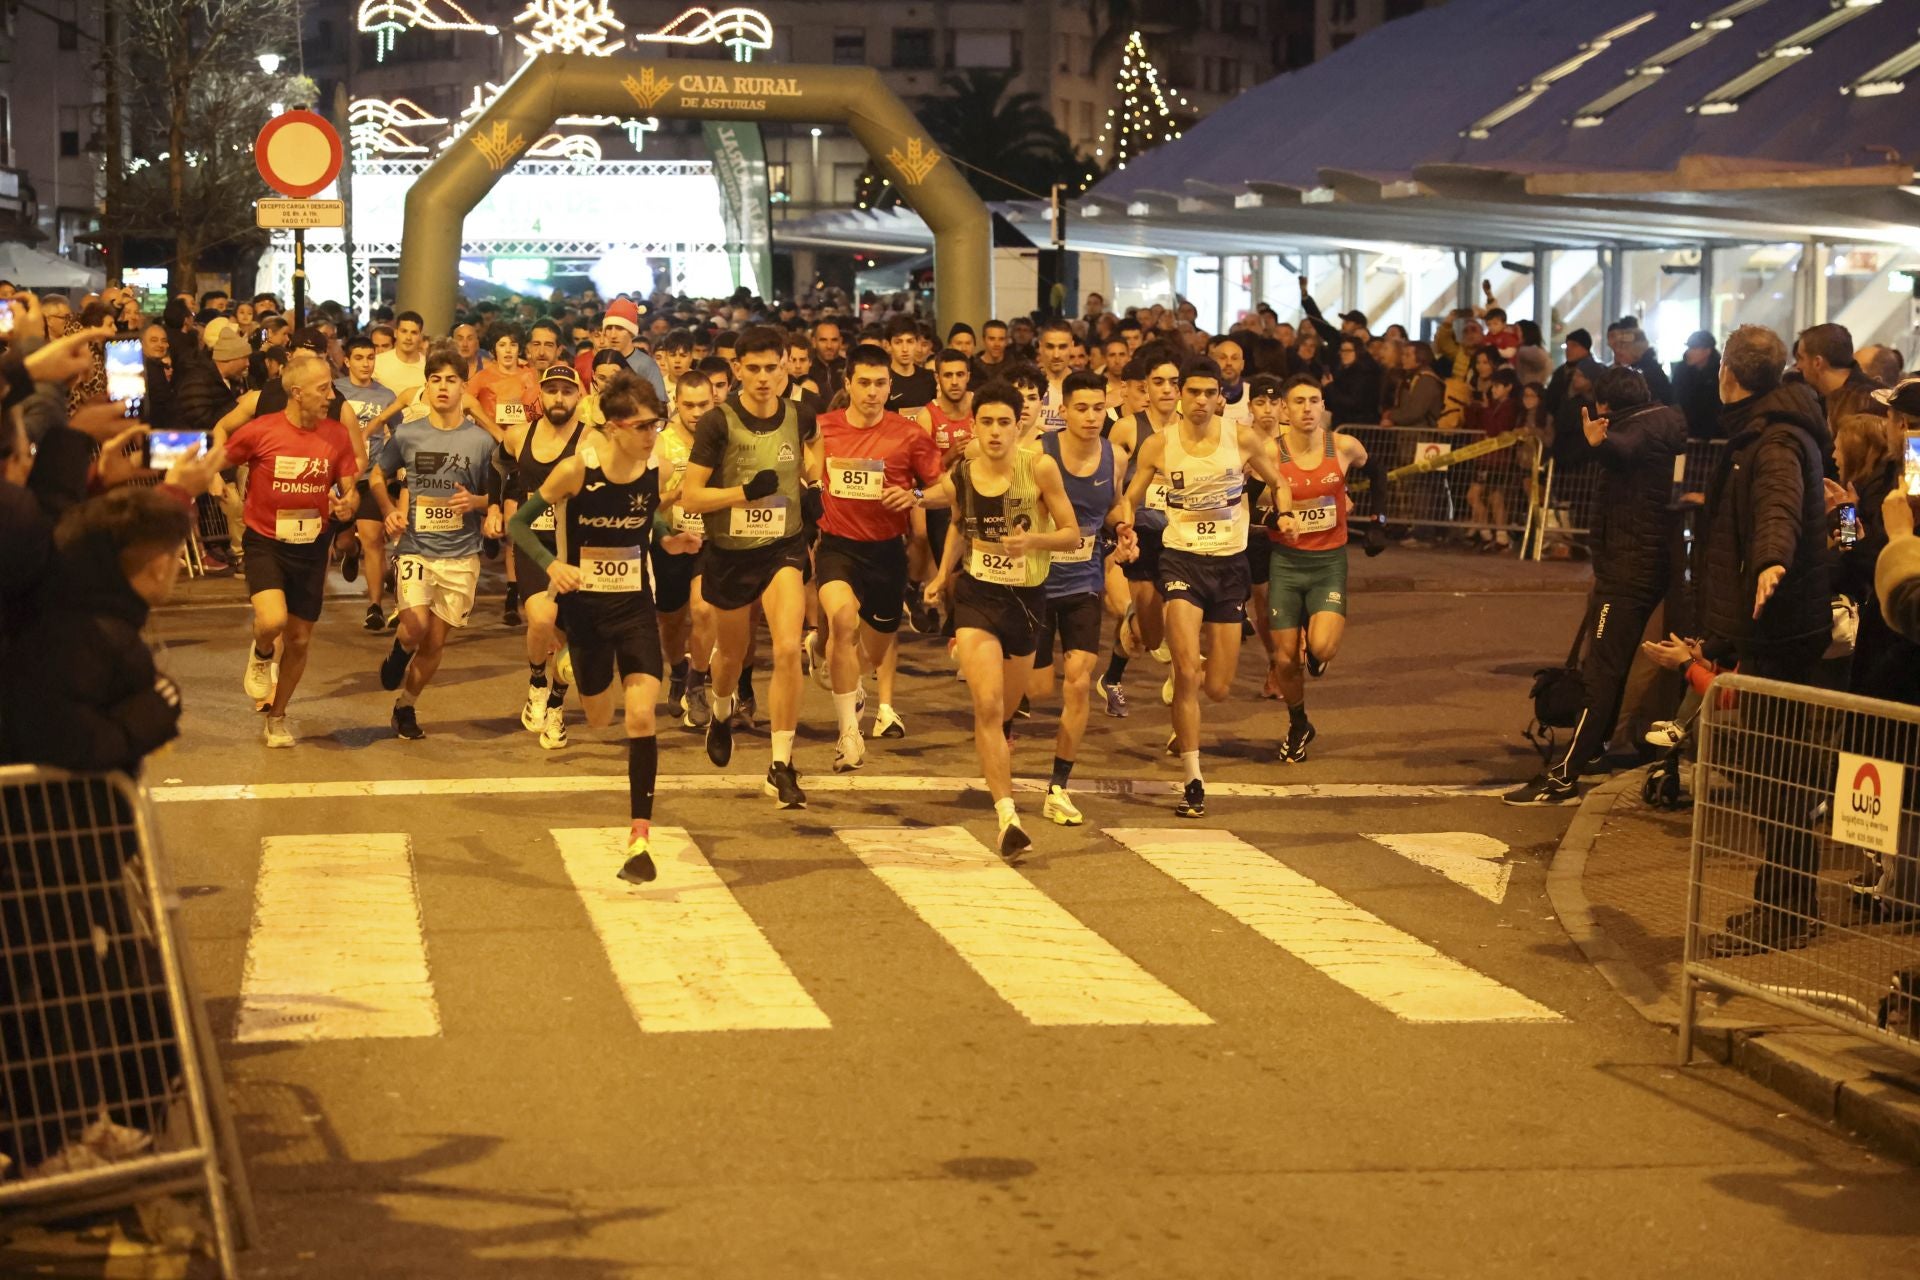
{"x":231,"y":346}
{"x":1699,"y":338}
{"x":1904,"y":398}
{"x":1358,"y":317}
{"x":560,"y":373}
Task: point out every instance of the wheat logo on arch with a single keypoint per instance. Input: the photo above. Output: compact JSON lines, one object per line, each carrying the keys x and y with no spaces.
{"x":916,"y":164}
{"x":497,"y":147}
{"x":648,"y":89}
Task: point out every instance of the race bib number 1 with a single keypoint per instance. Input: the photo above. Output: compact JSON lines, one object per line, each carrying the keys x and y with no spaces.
{"x":612,"y":568}
{"x":766,"y":518}
{"x":438,"y":517}
{"x":856,"y":478}
{"x":986,"y":564}
{"x":297,"y":527}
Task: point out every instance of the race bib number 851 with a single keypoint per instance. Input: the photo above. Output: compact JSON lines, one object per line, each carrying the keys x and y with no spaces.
{"x":856,"y":478}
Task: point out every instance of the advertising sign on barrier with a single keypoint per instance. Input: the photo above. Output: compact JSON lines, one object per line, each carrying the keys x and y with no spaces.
{"x":1866,"y":803}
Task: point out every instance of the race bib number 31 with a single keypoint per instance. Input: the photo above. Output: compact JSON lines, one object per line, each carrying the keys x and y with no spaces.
{"x":438,"y":517}
{"x":1002,"y":568}
{"x":612,"y":568}
{"x":766,"y":518}
{"x":856,"y":478}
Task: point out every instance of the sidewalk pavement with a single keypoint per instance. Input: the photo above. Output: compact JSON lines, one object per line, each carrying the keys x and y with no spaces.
{"x":1619,"y":886}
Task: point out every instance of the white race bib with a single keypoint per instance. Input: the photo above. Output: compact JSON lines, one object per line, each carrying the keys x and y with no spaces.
{"x":766,"y":518}
{"x":543,"y":523}
{"x":1003,"y":568}
{"x":1157,"y":496}
{"x":685,"y":522}
{"x":1317,"y":516}
{"x":612,"y":568}
{"x":297,"y":527}
{"x":1211,"y":536}
{"x":858,"y":478}
{"x":437,"y":517}
{"x":1081,"y":553}
{"x":510,"y":413}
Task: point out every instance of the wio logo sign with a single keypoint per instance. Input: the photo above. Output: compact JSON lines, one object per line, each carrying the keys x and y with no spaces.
{"x":1867,"y":796}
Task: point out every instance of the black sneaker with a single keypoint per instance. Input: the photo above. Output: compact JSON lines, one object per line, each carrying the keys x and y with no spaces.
{"x":393,"y":668}
{"x":1193,"y":801}
{"x":1294,"y":749}
{"x":921,"y":616}
{"x":638,"y":869}
{"x":1316,"y":667}
{"x":406,"y":724}
{"x":784,"y":785}
{"x":1376,"y":537}
{"x":743,"y":710}
{"x":720,"y":741}
{"x":1762,"y":929}
{"x":376,"y":619}
{"x":510,"y":614}
{"x":1543,"y":790}
{"x":350,"y":564}
{"x":676,"y":694}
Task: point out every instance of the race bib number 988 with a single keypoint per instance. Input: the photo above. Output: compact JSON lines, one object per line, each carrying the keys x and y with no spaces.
{"x":438,"y":517}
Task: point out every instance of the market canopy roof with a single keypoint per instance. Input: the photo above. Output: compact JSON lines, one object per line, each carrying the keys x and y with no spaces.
{"x":1509,"y":123}
{"x":31,"y":269}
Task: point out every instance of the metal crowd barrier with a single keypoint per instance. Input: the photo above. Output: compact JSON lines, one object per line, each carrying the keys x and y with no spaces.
{"x":1437,"y":497}
{"x":1569,"y":495}
{"x":1807,"y":809}
{"x":110,"y":1090}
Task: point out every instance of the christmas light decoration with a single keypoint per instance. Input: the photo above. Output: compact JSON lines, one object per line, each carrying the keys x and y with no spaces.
{"x":377,"y":127}
{"x":1145,"y":117}
{"x":579,"y":148}
{"x":569,"y":26}
{"x":742,"y":30}
{"x":386,"y":19}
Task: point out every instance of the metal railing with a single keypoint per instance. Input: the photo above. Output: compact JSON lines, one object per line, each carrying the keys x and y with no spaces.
{"x":110,"y":1091}
{"x":1433,"y":490}
{"x":1804,"y":888}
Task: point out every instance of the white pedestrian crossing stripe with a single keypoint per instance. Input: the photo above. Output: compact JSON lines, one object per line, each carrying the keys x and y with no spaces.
{"x":684,"y":952}
{"x":1363,"y":953}
{"x":337,"y":951}
{"x":1469,"y":859}
{"x":1050,"y":967}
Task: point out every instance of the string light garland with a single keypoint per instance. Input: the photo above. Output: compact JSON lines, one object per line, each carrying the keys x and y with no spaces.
{"x":386,"y":19}
{"x":1145,"y":117}
{"x":378,"y":127}
{"x":569,"y":26}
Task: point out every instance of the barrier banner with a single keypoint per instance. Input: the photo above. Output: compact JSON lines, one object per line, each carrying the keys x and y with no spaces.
{"x":740,"y":167}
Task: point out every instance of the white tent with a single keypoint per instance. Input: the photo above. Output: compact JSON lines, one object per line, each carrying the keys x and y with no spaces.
{"x":31,"y":269}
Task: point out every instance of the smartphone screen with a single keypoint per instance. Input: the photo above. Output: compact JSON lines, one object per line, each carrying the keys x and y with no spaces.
{"x":164,"y":448}
{"x":127,"y":375}
{"x":6,"y":316}
{"x":1911,"y":472}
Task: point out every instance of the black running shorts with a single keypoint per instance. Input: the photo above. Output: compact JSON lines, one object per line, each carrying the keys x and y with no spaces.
{"x":607,"y":631}
{"x":877,"y":572}
{"x":736,"y":579}
{"x":673,"y":577}
{"x":299,"y":572}
{"x":1146,"y":566}
{"x":1218,"y":585}
{"x":1075,"y":622}
{"x":1013,"y":614}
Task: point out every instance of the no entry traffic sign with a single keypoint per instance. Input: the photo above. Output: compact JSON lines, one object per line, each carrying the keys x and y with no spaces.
{"x":298,"y":153}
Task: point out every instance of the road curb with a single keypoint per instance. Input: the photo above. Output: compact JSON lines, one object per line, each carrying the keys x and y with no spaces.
{"x":1842,"y":1079}
{"x":1467,"y":586}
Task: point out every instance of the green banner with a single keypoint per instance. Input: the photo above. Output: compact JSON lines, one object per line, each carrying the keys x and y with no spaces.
{"x":740,"y":166}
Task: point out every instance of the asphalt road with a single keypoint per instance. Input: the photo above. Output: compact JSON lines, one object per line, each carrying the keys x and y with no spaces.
{"x":906,"y":1092}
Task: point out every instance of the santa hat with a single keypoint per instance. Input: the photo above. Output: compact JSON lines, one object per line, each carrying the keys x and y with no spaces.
{"x":623,"y":312}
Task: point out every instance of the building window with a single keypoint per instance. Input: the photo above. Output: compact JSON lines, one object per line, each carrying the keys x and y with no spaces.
{"x":849,"y":46}
{"x":1340,"y":39}
{"x":913,"y":48}
{"x":69,"y":35}
{"x":981,"y":49}
{"x":69,"y":143}
{"x":1343,"y":10}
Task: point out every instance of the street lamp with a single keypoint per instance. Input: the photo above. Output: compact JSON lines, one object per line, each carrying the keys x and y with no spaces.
{"x":269,"y":62}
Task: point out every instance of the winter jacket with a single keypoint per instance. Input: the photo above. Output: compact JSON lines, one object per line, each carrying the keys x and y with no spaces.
{"x":1765,"y":507}
{"x":1632,"y":541}
{"x":1421,"y":400}
{"x":1855,"y":395}
{"x":1650,"y":368}
{"x":1354,"y":394}
{"x":1852,"y":576}
{"x":1696,"y":391}
{"x":201,"y":397}
{"x":80,"y":688}
{"x":1896,"y":581}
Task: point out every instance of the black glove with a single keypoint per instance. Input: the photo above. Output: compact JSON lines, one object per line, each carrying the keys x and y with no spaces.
{"x":810,"y":507}
{"x":1272,"y":517}
{"x":1376,"y":536}
{"x":761,"y":486}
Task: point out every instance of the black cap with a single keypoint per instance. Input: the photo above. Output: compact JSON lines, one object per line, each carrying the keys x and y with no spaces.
{"x":1904,"y":398}
{"x":1699,"y":338}
{"x":1263,"y":384}
{"x":1580,"y":338}
{"x":1358,"y":317}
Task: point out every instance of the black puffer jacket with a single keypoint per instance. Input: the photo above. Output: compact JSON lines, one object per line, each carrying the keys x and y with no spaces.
{"x":80,"y":687}
{"x":1765,"y":507}
{"x":1634,"y":512}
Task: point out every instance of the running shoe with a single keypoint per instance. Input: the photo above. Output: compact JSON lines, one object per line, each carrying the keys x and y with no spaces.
{"x":1166,"y":693}
{"x":258,"y":678}
{"x":676,"y":692}
{"x":698,"y":709}
{"x":406,"y":724}
{"x":719,"y":740}
{"x":1193,"y":801}
{"x":510,"y":613}
{"x":376,"y":620}
{"x":350,"y":564}
{"x":851,"y":751}
{"x":1667,"y":733}
{"x":1543,"y":790}
{"x":1014,"y":839}
{"x":1025,"y":710}
{"x":553,"y":730}
{"x":638,"y":868}
{"x":1316,"y":666}
{"x":533,"y":716}
{"x":393,"y":668}
{"x":1060,"y":809}
{"x":1163,"y":654}
{"x":888,"y":724}
{"x":813,"y":652}
{"x":783,"y":784}
{"x":1115,"y":696}
{"x":743,"y":710}
{"x":393,"y":619}
{"x":921,"y":617}
{"x":277,"y":734}
{"x":563,"y":666}
{"x":1294,"y":749}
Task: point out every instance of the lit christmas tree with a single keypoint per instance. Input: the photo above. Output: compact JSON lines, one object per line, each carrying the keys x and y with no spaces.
{"x":1144,"y":118}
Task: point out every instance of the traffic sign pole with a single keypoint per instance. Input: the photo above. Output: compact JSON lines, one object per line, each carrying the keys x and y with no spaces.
{"x":299,"y":278}
{"x":298,"y":153}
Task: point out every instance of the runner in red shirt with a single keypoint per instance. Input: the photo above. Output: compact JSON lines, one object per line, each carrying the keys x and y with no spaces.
{"x":948,"y":418}
{"x":876,"y":462}
{"x":296,"y":459}
{"x":508,"y":393}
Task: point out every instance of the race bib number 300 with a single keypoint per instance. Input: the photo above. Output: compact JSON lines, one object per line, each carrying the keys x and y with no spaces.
{"x":612,"y":568}
{"x":438,"y":517}
{"x":1003,"y":568}
{"x":766,"y":518}
{"x":856,"y":478}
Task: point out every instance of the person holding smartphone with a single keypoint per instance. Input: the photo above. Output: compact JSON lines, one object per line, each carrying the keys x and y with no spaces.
{"x":299,"y":457}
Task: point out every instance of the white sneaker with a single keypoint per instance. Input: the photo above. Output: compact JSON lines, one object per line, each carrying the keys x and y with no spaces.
{"x":1166,"y":692}
{"x":258,"y":680}
{"x":1014,"y":839}
{"x":851,"y":752}
{"x":1667,"y":733}
{"x":553,"y":734}
{"x":815,"y":653}
{"x":1060,"y":809}
{"x":1163,"y":654}
{"x":533,"y":716}
{"x":278,"y":735}
{"x":563,"y":666}
{"x":888,"y":724}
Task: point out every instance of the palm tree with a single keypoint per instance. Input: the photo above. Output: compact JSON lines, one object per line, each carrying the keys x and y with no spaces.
{"x":1007,"y":143}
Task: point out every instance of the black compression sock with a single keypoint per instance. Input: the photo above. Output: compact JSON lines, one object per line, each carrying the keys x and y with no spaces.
{"x":513,"y":593}
{"x":1296,"y":714}
{"x":680,"y":670}
{"x":1061,"y":770}
{"x":537,"y":674}
{"x":1116,"y":668}
{"x":557,"y":695}
{"x":744,"y":690}
{"x":643,"y":764}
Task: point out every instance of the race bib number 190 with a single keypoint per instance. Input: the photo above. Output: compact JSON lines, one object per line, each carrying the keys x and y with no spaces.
{"x":857,"y":478}
{"x":766,"y":518}
{"x":612,"y":568}
{"x":988,"y":564}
